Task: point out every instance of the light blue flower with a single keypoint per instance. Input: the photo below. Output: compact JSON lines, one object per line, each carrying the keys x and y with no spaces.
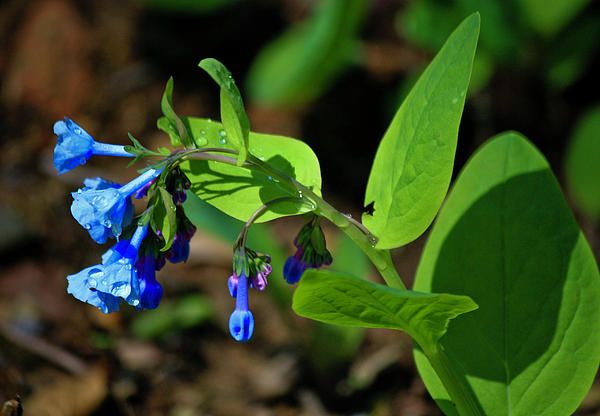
{"x":241,"y":321}
{"x":105,"y":285}
{"x":75,"y":146}
{"x":103,"y":212}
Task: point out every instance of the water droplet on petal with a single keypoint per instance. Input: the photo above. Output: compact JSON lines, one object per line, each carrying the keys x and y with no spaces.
{"x":87,"y":226}
{"x":135,"y":302}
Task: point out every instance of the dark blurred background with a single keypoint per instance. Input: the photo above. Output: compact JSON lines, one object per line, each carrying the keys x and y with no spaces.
{"x":329,"y":72}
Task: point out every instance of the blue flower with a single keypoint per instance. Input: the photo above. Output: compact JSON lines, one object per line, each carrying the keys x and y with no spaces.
{"x":294,"y":267}
{"x":311,"y":252}
{"x":104,"y":212}
{"x":104,"y":285}
{"x":150,"y":290}
{"x":75,"y":146}
{"x":241,"y":321}
{"x":180,"y":250}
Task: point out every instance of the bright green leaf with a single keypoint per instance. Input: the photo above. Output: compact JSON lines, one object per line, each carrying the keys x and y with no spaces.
{"x":163,"y":217}
{"x":300,"y":64}
{"x":172,"y":124}
{"x":583,"y":163}
{"x":413,"y":165}
{"x":343,"y":299}
{"x":238,"y":191}
{"x":507,"y":239}
{"x":233,"y":115}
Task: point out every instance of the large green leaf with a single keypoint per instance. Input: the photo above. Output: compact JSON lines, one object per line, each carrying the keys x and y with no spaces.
{"x":507,"y":239}
{"x":233,"y":114}
{"x":583,"y":163}
{"x":300,"y":64}
{"x":342,"y":299}
{"x":413,"y":165}
{"x":238,"y":191}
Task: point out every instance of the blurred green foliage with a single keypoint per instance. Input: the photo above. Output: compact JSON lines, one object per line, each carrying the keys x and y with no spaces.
{"x":582,"y":163}
{"x":188,"y":6}
{"x":300,"y":64}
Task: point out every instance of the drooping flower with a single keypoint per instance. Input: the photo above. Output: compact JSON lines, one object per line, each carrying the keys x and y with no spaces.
{"x":177,"y":185}
{"x":75,"y":146}
{"x":150,"y":290}
{"x":116,"y":278}
{"x":180,"y":250}
{"x":103,"y":211}
{"x":311,"y":252}
{"x":241,"y":321}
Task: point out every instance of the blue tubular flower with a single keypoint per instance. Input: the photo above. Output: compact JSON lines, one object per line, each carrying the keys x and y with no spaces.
{"x":311,"y":252}
{"x":241,"y":321}
{"x":75,"y":146}
{"x":104,"y":285}
{"x":150,"y":290}
{"x":104,"y":211}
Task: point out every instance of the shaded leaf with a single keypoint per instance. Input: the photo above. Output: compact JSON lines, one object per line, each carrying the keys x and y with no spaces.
{"x":507,"y":239}
{"x":239,"y":192}
{"x":164,"y":219}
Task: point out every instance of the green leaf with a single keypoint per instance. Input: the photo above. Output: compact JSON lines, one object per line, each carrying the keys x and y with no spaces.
{"x":239,"y":192}
{"x":173,"y":125}
{"x":583,"y":163}
{"x":163,"y":217}
{"x":233,"y":115}
{"x":549,"y":17}
{"x":413,"y":165}
{"x":296,"y":67}
{"x":343,"y":299}
{"x":507,"y":239}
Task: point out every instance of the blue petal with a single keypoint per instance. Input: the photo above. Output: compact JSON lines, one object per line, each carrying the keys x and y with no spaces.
{"x":241,"y":325}
{"x":150,"y":290}
{"x":180,"y":250}
{"x":101,"y":212}
{"x":118,"y":279}
{"x":80,"y":288}
{"x":73,"y":147}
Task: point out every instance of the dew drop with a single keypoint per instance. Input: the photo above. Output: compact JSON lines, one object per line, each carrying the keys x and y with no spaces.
{"x":77,"y":131}
{"x":135,"y":302}
{"x":105,"y":282}
{"x":87,"y":226}
{"x":107,"y":224}
{"x":82,"y":161}
{"x":454,"y":100}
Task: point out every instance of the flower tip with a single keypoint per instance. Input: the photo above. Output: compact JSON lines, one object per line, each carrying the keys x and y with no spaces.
{"x":293,"y":269}
{"x":60,"y":127}
{"x":241,"y":325}
{"x":232,"y":284}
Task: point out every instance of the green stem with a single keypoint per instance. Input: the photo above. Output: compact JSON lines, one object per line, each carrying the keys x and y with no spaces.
{"x":459,"y":390}
{"x":381,"y":259}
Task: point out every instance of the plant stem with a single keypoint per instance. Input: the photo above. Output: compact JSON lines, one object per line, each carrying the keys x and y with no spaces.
{"x":459,"y":390}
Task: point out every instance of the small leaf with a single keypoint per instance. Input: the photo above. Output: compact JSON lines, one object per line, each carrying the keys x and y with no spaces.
{"x":238,"y":191}
{"x":507,"y":239}
{"x":296,"y":67}
{"x":174,"y":126}
{"x":164,"y":219}
{"x":413,"y":165}
{"x":343,"y":299}
{"x":583,"y":163}
{"x":233,"y":115}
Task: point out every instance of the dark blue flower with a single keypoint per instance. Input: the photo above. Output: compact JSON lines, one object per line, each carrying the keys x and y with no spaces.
{"x":103,"y":212}
{"x":311,"y":252}
{"x":75,"y":146}
{"x":180,"y":250}
{"x":241,"y":321}
{"x":150,"y":290}
{"x":104,"y":285}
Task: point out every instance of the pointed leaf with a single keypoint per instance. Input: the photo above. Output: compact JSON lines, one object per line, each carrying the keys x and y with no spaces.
{"x":164,"y":219}
{"x":507,"y":239}
{"x":342,"y":299}
{"x":233,"y":115}
{"x":173,"y":125}
{"x":413,"y":165}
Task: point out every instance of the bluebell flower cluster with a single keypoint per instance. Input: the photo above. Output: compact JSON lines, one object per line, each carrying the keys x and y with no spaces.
{"x":250,"y":271}
{"x":127,"y":272}
{"x":311,"y":252}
